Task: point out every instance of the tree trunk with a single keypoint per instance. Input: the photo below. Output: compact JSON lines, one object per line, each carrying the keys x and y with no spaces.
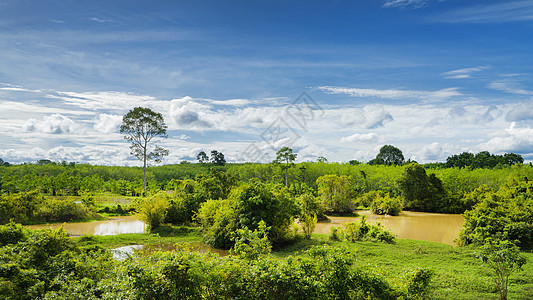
{"x":144,"y":169}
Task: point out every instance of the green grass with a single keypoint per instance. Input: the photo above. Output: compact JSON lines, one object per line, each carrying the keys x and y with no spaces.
{"x":458,"y":273}
{"x":164,"y":235}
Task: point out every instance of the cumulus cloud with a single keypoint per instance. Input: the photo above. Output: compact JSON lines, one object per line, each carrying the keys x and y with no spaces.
{"x":107,"y":123}
{"x":392,"y":93}
{"x":53,"y":124}
{"x":514,"y":139}
{"x":360,"y":137}
{"x":370,"y":117}
{"x":187,"y":113}
{"x":431,"y":152}
{"x":521,"y":112}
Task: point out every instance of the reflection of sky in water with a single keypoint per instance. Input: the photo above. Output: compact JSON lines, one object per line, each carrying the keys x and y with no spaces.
{"x":118,"y":227}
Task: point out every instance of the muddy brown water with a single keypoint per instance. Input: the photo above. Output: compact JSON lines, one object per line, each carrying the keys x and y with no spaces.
{"x":114,"y":226}
{"x":442,"y":228}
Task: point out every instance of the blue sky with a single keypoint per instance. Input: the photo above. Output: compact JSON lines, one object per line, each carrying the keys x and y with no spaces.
{"x":434,"y":78}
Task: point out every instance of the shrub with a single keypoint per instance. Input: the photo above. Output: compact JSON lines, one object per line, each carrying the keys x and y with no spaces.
{"x":386,"y":205}
{"x":246,"y":206}
{"x":362,"y":231}
{"x":418,"y":283}
{"x":152,"y":210}
{"x":61,"y":210}
{"x":505,"y":215}
{"x":308,"y":224}
{"x":251,"y":244}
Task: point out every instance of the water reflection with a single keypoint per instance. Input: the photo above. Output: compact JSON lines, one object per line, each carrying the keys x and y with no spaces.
{"x":442,"y":228}
{"x":116,"y":225}
{"x":126,"y":251}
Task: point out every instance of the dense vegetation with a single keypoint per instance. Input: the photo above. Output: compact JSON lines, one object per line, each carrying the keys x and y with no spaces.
{"x":249,"y":208}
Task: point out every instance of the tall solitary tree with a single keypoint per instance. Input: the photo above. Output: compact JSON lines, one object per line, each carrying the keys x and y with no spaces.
{"x":286,"y":159}
{"x":141,"y":126}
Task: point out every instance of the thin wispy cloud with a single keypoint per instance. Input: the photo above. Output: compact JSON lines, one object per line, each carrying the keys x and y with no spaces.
{"x":102,"y":20}
{"x":392,"y":93}
{"x":500,"y":12}
{"x":509,"y":86}
{"x":462,"y":73}
{"x":413,"y":4}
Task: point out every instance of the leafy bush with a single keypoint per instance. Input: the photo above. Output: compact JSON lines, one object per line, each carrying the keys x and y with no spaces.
{"x":251,"y":244}
{"x":386,"y":205}
{"x":308,"y":224}
{"x":362,"y":231}
{"x":418,"y":283}
{"x":246,"y":206}
{"x":335,"y":193}
{"x":62,"y":210}
{"x":152,"y":210}
{"x":504,"y":215}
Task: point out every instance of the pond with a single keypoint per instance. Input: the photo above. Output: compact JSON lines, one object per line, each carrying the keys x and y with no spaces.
{"x":442,"y":228}
{"x":126,"y":251}
{"x":114,"y":226}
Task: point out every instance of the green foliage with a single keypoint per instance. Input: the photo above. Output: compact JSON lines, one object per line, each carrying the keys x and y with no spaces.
{"x":308,"y":224}
{"x":285,"y":158}
{"x":335,"y":193}
{"x":62,"y":210}
{"x":140,"y":126}
{"x":506,"y":214}
{"x":388,"y":155}
{"x":421,"y":192}
{"x":251,"y":244}
{"x":311,"y":205}
{"x":483,"y":160}
{"x":362,"y":231}
{"x":247,"y":205}
{"x":418,"y":283}
{"x":386,"y":205}
{"x":503,"y":258}
{"x":152,"y":210}
{"x":11,"y":233}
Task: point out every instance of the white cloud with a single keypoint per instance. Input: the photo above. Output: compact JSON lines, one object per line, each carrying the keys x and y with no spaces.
{"x":361,"y":137}
{"x":107,"y":123}
{"x":513,"y":139}
{"x":391,"y":93}
{"x":497,"y":12}
{"x":509,"y":86}
{"x":431,"y":152}
{"x":104,"y":100}
{"x":521,"y":112}
{"x":406,"y":3}
{"x":53,"y":124}
{"x":102,"y":20}
{"x":462,"y":73}
{"x":369,"y":117}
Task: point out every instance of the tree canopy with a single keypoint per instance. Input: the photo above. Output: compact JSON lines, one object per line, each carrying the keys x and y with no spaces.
{"x":388,"y":155}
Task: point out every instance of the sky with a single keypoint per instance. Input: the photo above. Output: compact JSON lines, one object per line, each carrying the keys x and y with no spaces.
{"x":334,"y":79}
